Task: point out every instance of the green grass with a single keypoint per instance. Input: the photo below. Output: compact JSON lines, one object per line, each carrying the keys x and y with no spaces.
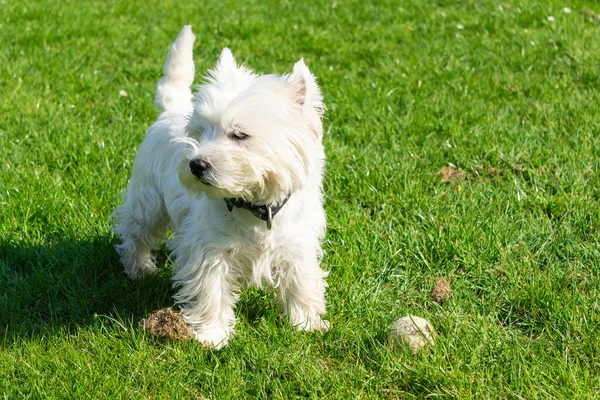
{"x":512,"y":99}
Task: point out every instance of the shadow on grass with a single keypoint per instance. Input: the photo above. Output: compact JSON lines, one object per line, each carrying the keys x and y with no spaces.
{"x":62,"y":285}
{"x":65,"y":284}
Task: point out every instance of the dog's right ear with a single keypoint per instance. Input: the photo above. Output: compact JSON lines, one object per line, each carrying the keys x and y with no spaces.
{"x":226,"y":63}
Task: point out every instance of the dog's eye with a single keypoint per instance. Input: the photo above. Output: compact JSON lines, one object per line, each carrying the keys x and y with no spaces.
{"x":237,"y":135}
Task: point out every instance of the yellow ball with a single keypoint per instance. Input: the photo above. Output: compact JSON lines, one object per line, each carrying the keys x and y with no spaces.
{"x":413,"y":331}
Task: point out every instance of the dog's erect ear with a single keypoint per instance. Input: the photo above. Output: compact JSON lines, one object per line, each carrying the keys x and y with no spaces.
{"x":305,"y":90}
{"x":226,"y":63}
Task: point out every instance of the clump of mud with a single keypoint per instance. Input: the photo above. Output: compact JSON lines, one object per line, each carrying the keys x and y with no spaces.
{"x":442,"y":290}
{"x":167,"y":324}
{"x":450,"y":174}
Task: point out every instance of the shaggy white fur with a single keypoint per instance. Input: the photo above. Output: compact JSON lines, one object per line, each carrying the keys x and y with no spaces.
{"x":256,"y":138}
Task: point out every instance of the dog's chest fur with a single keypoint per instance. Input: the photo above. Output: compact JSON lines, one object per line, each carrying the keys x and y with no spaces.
{"x":252,"y":254}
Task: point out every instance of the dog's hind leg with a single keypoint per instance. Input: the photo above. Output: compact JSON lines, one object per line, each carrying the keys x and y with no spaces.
{"x":141,"y":223}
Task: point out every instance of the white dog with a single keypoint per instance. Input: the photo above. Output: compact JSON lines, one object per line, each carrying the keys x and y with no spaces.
{"x":236,"y":173}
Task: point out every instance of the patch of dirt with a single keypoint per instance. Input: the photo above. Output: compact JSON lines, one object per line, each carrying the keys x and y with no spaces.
{"x":450,"y":174}
{"x":589,"y":13}
{"x":167,"y":324}
{"x":442,"y":290}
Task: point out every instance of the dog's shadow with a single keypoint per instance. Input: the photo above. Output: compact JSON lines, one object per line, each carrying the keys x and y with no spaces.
{"x":68,"y":284}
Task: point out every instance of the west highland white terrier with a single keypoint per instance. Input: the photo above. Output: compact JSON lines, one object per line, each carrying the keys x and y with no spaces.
{"x":236,"y":172}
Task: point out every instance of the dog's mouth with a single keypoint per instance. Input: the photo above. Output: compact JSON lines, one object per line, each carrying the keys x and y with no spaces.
{"x":205,"y":181}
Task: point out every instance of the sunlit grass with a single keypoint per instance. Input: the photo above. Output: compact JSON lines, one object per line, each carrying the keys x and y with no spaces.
{"x":506,"y":92}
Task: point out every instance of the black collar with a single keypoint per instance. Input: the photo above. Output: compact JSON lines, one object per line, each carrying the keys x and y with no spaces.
{"x":264,"y":212}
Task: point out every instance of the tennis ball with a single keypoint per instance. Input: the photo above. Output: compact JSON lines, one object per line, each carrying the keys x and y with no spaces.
{"x":412,"y":331}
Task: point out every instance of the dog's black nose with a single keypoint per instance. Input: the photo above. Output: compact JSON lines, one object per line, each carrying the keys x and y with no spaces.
{"x":198,"y":166}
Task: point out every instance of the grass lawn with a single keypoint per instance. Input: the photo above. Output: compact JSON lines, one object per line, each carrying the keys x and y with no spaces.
{"x":503,"y":94}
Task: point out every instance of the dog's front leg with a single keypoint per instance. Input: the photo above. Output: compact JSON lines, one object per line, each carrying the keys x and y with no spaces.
{"x":208,"y":296}
{"x":301,"y":291}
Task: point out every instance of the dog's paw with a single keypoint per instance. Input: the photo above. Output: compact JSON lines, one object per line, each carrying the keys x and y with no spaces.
{"x":137,"y":272}
{"x":215,"y":338}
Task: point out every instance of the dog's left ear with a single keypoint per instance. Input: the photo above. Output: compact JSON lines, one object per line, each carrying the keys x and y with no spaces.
{"x":305,"y":90}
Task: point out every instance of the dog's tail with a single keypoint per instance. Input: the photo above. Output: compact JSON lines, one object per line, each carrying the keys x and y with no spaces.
{"x":173,"y":89}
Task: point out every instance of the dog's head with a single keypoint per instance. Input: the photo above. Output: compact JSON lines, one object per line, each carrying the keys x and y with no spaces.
{"x":253,"y":137}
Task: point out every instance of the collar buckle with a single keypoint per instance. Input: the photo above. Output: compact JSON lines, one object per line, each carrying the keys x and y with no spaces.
{"x":264,"y":212}
{"x":269,"y":218}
